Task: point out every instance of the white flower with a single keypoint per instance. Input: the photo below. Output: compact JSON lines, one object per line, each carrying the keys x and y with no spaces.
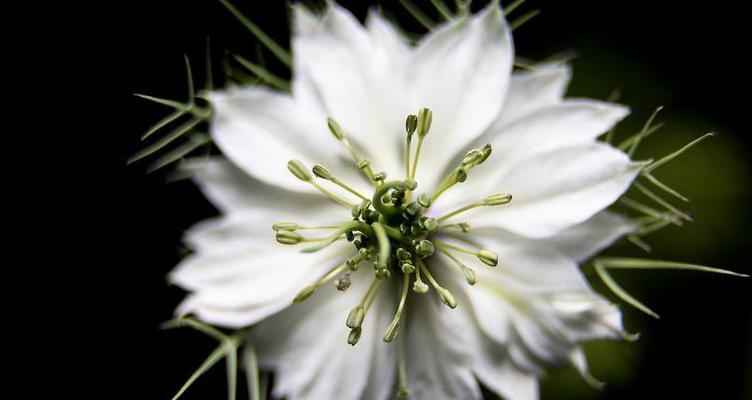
{"x":513,"y":320}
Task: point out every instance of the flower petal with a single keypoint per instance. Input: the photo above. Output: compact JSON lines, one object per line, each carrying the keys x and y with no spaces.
{"x":260,"y":130}
{"x":461,"y":71}
{"x":438,"y":362}
{"x":358,"y":75}
{"x":578,"y":242}
{"x":533,"y":90}
{"x":306,"y":346}
{"x":559,"y":189}
{"x":555,"y":127}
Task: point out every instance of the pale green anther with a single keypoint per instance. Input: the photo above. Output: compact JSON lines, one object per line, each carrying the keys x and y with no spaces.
{"x":383,"y":273}
{"x":430,"y":224}
{"x":469,"y":275}
{"x":355,"y":318}
{"x":288,"y":237}
{"x":354,"y":336}
{"x":391,"y":331}
{"x":304,"y":293}
{"x":425,"y":116}
{"x":410,"y":184}
{"x":498,"y":199}
{"x":354,"y":262}
{"x":420,"y":287}
{"x":362,"y":164}
{"x":378,"y":177}
{"x":322,"y":172}
{"x":472,"y":157}
{"x":424,"y":200}
{"x":335,"y":129}
{"x":364,"y":253}
{"x":488,"y":257}
{"x":403,"y":392}
{"x":299,"y":170}
{"x":460,"y":175}
{"x":407,"y":267}
{"x":411,"y":124}
{"x":286,"y":226}
{"x":424,"y":248}
{"x":446,"y":297}
{"x":403,"y":254}
{"x":342,"y":284}
{"x":486,"y":152}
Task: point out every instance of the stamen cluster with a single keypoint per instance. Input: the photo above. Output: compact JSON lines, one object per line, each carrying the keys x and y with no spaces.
{"x":390,"y":229}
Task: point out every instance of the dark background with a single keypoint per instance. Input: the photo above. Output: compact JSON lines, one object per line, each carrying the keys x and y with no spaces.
{"x":690,"y":58}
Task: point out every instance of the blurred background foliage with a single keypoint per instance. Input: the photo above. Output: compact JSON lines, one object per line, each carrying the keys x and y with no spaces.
{"x":655,"y":53}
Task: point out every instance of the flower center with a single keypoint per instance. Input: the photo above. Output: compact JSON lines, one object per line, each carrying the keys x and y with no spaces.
{"x":390,"y":229}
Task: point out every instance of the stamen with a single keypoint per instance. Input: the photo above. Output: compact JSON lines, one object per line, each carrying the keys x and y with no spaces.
{"x":293,"y":226}
{"x":467,"y":272}
{"x":291,"y":238}
{"x":472,"y":159}
{"x":493,"y":200}
{"x":299,"y":170}
{"x":462,"y":226}
{"x":307,"y":291}
{"x":358,"y":314}
{"x":339,"y":134}
{"x":324,"y":173}
{"x":423,"y":126}
{"x":384,"y":247}
{"x":393,"y":328}
{"x":418,"y":285}
{"x":444,"y":294}
{"x":487,"y":257}
{"x":410,"y":125}
{"x":348,"y":227}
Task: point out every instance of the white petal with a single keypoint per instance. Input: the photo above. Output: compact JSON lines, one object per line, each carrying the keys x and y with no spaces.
{"x":556,"y":190}
{"x":438,"y":361}
{"x":232,"y":190}
{"x":532,"y":90}
{"x":240,"y":289}
{"x":306,"y":346}
{"x":260,"y":130}
{"x":579,"y":242}
{"x":559,"y":126}
{"x":358,"y":75}
{"x":584,"y":240}
{"x":491,"y":361}
{"x":460,"y":71}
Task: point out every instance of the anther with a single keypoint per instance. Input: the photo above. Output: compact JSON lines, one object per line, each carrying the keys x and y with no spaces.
{"x":424,"y":248}
{"x":468,"y":273}
{"x":424,"y":120}
{"x":288,"y":237}
{"x":443,"y":293}
{"x":287,"y":226}
{"x":354,"y":336}
{"x":393,"y":328}
{"x":299,"y":170}
{"x":355,"y":318}
{"x":487,"y":257}
{"x":335,"y":129}
{"x":343,"y":283}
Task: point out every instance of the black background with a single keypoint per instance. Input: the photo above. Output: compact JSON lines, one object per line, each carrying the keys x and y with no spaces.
{"x":133,"y":220}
